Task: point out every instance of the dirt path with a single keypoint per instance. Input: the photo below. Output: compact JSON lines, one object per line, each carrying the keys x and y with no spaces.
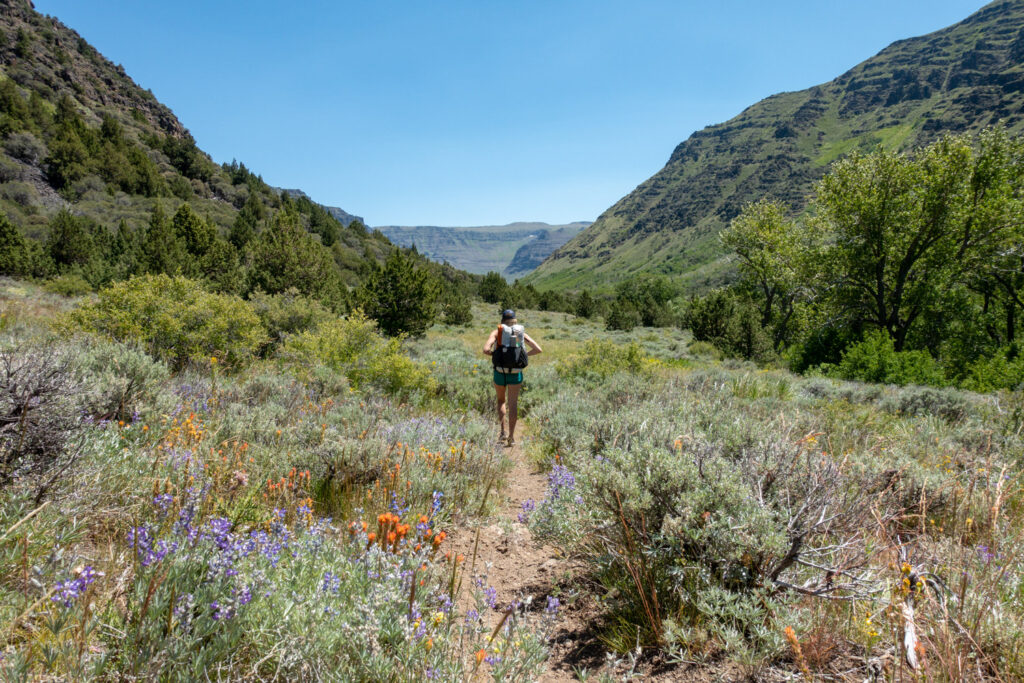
{"x":520,"y":567}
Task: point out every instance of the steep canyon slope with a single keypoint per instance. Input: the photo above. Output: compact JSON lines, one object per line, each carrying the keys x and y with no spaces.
{"x":962,"y":78}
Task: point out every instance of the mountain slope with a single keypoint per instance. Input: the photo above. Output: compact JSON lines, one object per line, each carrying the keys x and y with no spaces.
{"x":513,"y":249}
{"x":79,"y":134}
{"x":341,"y":215}
{"x":961,"y":78}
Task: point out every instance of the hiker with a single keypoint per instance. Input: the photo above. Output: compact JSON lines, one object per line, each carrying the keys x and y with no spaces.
{"x":508,"y":355}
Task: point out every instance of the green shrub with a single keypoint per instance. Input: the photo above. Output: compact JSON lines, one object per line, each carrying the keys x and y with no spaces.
{"x":729,"y":323}
{"x":120,"y":379}
{"x":600,"y":358}
{"x":354,"y":346}
{"x":287,"y":313}
{"x":703,"y":349}
{"x":875,"y":359}
{"x":949,"y":404}
{"x":69,"y":284}
{"x":1004,"y":370}
{"x":174,"y":319}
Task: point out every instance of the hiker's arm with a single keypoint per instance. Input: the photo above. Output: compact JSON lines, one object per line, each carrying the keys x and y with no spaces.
{"x":535,"y":346}
{"x":489,"y":344}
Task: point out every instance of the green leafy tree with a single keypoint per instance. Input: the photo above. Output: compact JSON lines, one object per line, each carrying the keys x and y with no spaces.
{"x":904,"y":229}
{"x":401,"y":296}
{"x":773,"y":251}
{"x":996,"y":272}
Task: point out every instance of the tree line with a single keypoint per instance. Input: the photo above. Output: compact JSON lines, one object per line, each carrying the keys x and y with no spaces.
{"x":906,"y":267}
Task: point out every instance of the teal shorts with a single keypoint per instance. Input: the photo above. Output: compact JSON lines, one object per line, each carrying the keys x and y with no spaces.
{"x":502,"y":379}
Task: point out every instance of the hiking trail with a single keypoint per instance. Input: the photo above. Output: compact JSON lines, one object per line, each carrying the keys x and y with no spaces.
{"x":520,"y":567}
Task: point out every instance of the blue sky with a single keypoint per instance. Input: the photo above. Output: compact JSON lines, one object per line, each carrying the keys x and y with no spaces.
{"x":411,"y":112}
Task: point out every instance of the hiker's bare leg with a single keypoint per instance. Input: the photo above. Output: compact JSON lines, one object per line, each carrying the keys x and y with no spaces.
{"x":513,"y":410}
{"x":501,"y":407}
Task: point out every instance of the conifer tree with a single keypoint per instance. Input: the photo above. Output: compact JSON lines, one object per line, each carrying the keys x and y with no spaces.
{"x":70,"y":241}
{"x":586,"y":307}
{"x":15,"y":256}
{"x":162,"y":251}
{"x":194,"y":233}
{"x":401,"y":296}
{"x":221,"y":268}
{"x":124,"y":252}
{"x":286,"y":256}
{"x":493,"y":288}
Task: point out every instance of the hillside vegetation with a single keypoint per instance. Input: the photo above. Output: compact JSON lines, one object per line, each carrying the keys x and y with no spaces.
{"x":80,"y":138}
{"x":959,"y":79}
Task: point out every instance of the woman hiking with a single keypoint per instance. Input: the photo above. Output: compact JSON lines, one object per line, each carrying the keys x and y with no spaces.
{"x":506,"y":347}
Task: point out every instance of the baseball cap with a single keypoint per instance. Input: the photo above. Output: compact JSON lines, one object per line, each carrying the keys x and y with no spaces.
{"x":507,"y":314}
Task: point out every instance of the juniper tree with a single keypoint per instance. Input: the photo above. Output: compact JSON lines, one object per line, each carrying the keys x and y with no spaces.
{"x":286,"y":256}
{"x":400,"y":296}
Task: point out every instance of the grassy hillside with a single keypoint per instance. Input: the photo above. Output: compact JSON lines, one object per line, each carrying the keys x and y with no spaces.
{"x":77,"y":133}
{"x":513,"y":249}
{"x":961,"y":78}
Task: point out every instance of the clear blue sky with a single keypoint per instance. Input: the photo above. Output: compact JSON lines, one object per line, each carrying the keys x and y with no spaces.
{"x":477,"y":112}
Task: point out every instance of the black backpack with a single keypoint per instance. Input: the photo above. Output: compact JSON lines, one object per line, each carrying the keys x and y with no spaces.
{"x":511,"y":357}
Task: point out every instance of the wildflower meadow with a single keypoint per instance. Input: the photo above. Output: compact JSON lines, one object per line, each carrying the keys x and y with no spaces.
{"x":286,"y":512}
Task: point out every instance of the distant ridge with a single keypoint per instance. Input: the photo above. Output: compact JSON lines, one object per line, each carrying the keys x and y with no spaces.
{"x":961,"y":78}
{"x":512,"y":250}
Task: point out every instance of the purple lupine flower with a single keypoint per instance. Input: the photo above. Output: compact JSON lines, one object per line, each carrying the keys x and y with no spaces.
{"x":221,"y":612}
{"x":67,"y":592}
{"x":491,"y":596}
{"x":184,"y":606}
{"x":552,"y":606}
{"x":163,"y":502}
{"x":560,"y":479}
{"x":149,"y":550}
{"x":243,"y":596}
{"x":528,"y":506}
{"x":435,"y":506}
{"x":331,"y":583}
